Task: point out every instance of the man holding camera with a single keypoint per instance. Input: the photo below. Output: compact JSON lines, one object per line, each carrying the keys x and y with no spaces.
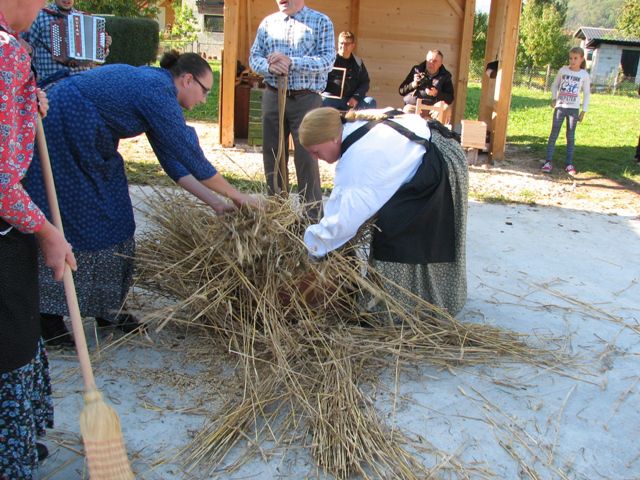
{"x":429,"y":81}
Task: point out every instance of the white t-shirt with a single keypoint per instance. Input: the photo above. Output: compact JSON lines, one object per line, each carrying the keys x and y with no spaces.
{"x":565,"y":89}
{"x":366,"y":177}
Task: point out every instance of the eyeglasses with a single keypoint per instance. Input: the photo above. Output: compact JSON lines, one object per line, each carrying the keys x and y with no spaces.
{"x":205,"y":90}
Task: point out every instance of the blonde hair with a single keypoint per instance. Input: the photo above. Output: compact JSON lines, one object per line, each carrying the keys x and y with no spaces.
{"x":579,"y":51}
{"x":347,"y":35}
{"x":325,"y":124}
{"x":320,"y":126}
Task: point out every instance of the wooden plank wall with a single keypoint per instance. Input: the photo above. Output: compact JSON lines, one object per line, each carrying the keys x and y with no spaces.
{"x":391,"y":36}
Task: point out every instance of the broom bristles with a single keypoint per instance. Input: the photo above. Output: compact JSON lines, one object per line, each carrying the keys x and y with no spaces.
{"x":102,"y":438}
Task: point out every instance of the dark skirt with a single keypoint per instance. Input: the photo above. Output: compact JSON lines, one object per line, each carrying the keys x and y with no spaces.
{"x":102,"y":282}
{"x":26,"y":411}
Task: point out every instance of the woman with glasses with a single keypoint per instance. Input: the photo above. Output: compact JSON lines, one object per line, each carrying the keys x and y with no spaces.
{"x":89,"y":114}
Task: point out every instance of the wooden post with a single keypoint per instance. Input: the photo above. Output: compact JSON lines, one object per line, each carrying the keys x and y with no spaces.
{"x":491,"y":53}
{"x":504,"y":79}
{"x":228,"y":74}
{"x":464,"y":59}
{"x":547,"y":78}
{"x":354,"y":17}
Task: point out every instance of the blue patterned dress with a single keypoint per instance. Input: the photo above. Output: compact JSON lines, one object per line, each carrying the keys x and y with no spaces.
{"x":88,"y":115}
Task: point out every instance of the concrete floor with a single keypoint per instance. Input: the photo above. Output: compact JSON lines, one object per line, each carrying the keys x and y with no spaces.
{"x":540,"y":270}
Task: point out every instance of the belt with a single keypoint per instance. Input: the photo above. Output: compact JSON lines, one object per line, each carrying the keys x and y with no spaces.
{"x":291,"y":93}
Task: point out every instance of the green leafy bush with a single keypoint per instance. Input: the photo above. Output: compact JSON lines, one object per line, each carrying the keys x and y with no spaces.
{"x":134,"y":40}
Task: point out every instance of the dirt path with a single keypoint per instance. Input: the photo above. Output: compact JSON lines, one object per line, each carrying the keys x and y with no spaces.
{"x":518,"y":179}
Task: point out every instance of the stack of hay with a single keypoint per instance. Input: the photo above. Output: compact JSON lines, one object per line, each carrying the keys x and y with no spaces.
{"x":304,"y":356}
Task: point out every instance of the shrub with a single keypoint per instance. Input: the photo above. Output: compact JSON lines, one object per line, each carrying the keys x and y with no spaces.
{"x":135,"y":40}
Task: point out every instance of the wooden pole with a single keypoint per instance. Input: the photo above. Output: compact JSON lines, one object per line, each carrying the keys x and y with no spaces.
{"x":494,"y":35}
{"x":228,"y":74}
{"x":464,"y":59}
{"x":354,"y":17}
{"x":504,"y":79}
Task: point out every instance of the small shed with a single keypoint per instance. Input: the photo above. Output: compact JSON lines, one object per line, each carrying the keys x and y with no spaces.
{"x":392,"y":37}
{"x":608,"y":51}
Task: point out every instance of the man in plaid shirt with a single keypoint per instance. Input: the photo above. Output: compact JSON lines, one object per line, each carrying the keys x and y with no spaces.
{"x":49,"y":70}
{"x":297,"y":42}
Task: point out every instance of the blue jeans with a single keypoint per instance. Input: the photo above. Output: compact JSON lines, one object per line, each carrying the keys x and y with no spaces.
{"x":341,"y":103}
{"x":559,"y":114}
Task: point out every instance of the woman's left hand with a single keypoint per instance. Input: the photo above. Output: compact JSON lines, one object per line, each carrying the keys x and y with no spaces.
{"x":581,"y":116}
{"x":43,"y":102}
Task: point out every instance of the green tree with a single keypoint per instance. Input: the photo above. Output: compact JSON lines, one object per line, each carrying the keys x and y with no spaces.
{"x":629,"y":18}
{"x":542,"y":41}
{"x":184,"y":28}
{"x":120,"y":8}
{"x":587,"y":13}
{"x":479,"y":41}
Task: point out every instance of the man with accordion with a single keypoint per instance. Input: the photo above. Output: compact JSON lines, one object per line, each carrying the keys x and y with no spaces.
{"x":53,"y":55}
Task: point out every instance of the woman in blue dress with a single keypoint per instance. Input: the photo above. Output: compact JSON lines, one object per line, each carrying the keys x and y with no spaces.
{"x":89,"y":114}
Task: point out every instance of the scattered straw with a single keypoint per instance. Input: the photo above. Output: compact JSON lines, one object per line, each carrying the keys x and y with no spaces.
{"x":303,"y":349}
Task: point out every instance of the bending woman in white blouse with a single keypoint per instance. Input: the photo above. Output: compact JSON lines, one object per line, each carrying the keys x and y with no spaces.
{"x":412,"y":176}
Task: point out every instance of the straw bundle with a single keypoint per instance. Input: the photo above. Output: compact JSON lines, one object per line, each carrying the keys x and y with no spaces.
{"x":297,"y":330}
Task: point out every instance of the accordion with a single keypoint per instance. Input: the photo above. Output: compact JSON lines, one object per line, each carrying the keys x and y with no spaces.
{"x":78,"y":37}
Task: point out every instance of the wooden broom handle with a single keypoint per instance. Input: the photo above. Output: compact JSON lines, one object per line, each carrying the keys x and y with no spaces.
{"x":69,"y":285}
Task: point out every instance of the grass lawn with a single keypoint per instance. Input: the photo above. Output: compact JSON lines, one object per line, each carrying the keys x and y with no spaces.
{"x":605,"y":140}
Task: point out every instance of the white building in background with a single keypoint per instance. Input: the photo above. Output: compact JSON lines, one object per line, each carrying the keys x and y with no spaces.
{"x":210,"y":21}
{"x":609,"y":52}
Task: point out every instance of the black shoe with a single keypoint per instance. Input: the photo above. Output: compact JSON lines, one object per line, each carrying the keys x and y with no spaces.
{"x":125,"y":322}
{"x":54,"y":331}
{"x":43,"y":451}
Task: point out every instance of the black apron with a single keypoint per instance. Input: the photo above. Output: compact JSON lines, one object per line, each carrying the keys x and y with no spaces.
{"x":416,"y":225}
{"x":19,"y":301}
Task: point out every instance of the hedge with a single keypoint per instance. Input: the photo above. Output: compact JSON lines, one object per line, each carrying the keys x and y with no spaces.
{"x":134,"y":40}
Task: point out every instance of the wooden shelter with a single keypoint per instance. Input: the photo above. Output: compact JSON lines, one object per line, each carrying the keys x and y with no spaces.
{"x":391,"y":38}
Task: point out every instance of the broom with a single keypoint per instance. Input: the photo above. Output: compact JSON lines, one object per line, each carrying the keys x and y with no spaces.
{"x":99,"y":423}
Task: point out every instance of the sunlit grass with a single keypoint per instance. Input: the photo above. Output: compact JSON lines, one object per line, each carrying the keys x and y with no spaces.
{"x":605,"y":140}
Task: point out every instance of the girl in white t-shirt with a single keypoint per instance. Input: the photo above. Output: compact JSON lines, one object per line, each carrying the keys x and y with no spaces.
{"x":565,"y":99}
